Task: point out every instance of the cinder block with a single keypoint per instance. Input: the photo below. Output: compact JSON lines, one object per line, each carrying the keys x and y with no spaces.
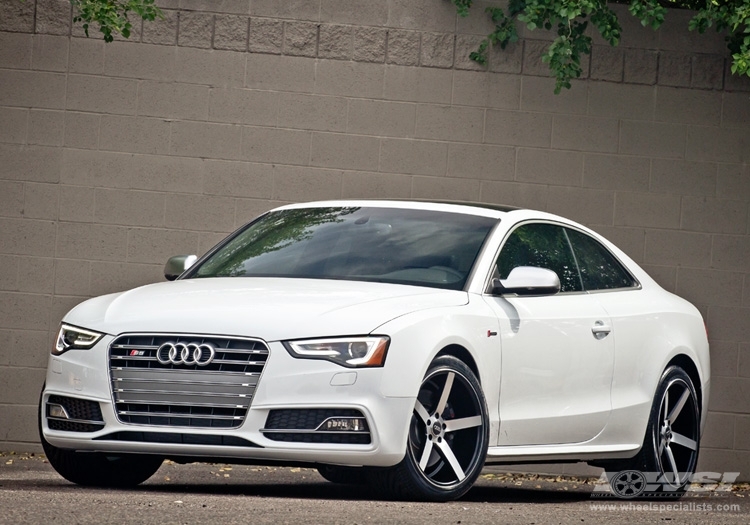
{"x":712,"y":287}
{"x":369,"y":44}
{"x":50,"y":53}
{"x":11,"y":199}
{"x":244,"y":106}
{"x":481,"y":162}
{"x":533,"y":50}
{"x":733,"y":182}
{"x":708,"y":72}
{"x":640,"y":66}
{"x":719,"y":431}
{"x":735,"y":82}
{"x":129,"y":208}
{"x":72,"y":277}
{"x":231,"y":32}
{"x":672,"y":35}
{"x":21,"y":422}
{"x":35,"y":275}
{"x":508,"y":60}
{"x":616,"y":172}
{"x":45,"y":127}
{"x":742,"y":433}
{"x":633,"y":242}
{"x":650,"y":210}
{"x":111,"y":277}
{"x":414,"y":157}
{"x":266,"y":36}
{"x":336,"y":41}
{"x":531,"y":196}
{"x":518,"y":128}
{"x":452,"y":123}
{"x":416,"y":84}
{"x":486,"y":90}
{"x":688,"y":106}
{"x":9,"y":273}
{"x":313,"y":112}
{"x":478,"y":22}
{"x":280,"y":73}
{"x":143,"y":61}
{"x":352,"y":152}
{"x":445,"y":188}
{"x":594,"y":134}
{"x":297,"y":10}
{"x":32,"y":89}
{"x":652,"y":138}
{"x":15,"y":125}
{"x":300,"y":39}
{"x":53,"y":17}
{"x":366,"y":185}
{"x":101,"y":94}
{"x":676,"y":248}
{"x":30,"y":163}
{"x":354,"y":79}
{"x":134,"y":134}
{"x":86,"y":56}
{"x":15,"y":48}
{"x":173,"y":100}
{"x":237,"y":179}
{"x":31,"y":348}
{"x":162,"y":30}
{"x":465,"y":45}
{"x":207,"y":140}
{"x":731,"y":252}
{"x":538,"y":94}
{"x":93,"y":168}
{"x":27,"y":237}
{"x":569,"y":202}
{"x":724,"y":358}
{"x":717,"y":144}
{"x":199,"y":212}
{"x":81,"y":130}
{"x":40,"y":201}
{"x":195,"y":29}
{"x":376,"y":117}
{"x":210,"y":67}
{"x":674,"y":69}
{"x":607,"y":99}
{"x":549,"y":167}
{"x":728,"y":394}
{"x":424,"y":15}
{"x":437,"y":50}
{"x":607,"y":63}
{"x":17,"y":17}
{"x":283,"y":146}
{"x":744,"y":360}
{"x":294,"y":184}
{"x":356,"y":12}
{"x":155,"y":246}
{"x":91,"y":242}
{"x":665,"y":276}
{"x":237,"y":7}
{"x":403,"y":48}
{"x":735,"y":110}
{"x":683,"y":178}
{"x":160,"y":173}
{"x":76,"y":203}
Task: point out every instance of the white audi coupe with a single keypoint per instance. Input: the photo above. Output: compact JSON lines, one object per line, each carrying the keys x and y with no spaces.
{"x":403,"y":344}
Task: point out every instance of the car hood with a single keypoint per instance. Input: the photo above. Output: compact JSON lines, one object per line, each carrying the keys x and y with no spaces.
{"x":269,"y":308}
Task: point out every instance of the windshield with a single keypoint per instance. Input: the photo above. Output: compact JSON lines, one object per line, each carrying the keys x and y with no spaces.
{"x":419,"y":247}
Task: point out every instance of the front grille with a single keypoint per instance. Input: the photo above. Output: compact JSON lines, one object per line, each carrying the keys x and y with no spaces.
{"x":214,"y":395}
{"x":84,"y":415}
{"x":305,"y":425}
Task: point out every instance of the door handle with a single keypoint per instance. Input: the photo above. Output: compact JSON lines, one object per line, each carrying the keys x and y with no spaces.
{"x":600,"y":330}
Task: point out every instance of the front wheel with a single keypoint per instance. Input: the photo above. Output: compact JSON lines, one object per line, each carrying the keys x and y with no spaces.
{"x":448,"y":436}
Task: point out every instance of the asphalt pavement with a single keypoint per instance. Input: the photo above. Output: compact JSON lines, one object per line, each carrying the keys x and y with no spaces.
{"x":32,"y":492}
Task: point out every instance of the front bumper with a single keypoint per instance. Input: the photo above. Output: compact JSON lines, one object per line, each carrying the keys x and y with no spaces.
{"x":286,"y":383}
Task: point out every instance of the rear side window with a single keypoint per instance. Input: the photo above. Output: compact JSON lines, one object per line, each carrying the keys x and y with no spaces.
{"x":600,"y":270}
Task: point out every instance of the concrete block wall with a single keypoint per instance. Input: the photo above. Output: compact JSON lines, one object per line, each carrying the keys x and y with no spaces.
{"x":114,"y":157}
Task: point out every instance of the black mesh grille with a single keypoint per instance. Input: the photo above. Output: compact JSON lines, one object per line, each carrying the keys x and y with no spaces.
{"x":305,"y":419}
{"x":171,"y":437}
{"x":72,"y":426}
{"x":82,"y":410}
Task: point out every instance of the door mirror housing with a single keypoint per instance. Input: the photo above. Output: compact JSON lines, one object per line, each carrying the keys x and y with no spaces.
{"x":527,"y":280}
{"x":177,"y":265}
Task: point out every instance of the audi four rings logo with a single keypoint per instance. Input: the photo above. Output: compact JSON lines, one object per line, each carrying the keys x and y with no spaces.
{"x":199,"y":354}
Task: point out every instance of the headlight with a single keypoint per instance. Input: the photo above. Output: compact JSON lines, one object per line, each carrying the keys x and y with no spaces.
{"x":74,"y":338}
{"x":352,"y":352}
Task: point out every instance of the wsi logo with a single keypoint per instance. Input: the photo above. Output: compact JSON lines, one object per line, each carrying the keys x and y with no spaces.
{"x":629,"y":484}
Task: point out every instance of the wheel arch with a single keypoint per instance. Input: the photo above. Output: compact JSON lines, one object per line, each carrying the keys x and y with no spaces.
{"x":688,"y":365}
{"x":462,"y":354}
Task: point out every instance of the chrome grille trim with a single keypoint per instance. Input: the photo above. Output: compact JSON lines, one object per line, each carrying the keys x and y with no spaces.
{"x":214,"y":395}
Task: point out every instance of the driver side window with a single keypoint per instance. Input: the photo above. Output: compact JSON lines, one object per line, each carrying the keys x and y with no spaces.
{"x":543,"y":246}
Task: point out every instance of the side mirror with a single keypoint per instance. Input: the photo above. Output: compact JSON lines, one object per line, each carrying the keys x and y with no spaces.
{"x":178,"y":264}
{"x":527,"y":280}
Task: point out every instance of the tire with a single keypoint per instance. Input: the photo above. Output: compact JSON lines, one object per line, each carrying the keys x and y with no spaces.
{"x":95,"y":469}
{"x":345,"y":475}
{"x":667,"y":460}
{"x":448,"y":437}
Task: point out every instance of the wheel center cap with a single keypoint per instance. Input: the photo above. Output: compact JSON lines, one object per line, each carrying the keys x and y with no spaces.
{"x":436,"y":428}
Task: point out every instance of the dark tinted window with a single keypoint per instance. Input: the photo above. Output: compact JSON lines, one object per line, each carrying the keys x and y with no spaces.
{"x":600,"y":270}
{"x":544,"y":246}
{"x":419,"y":247}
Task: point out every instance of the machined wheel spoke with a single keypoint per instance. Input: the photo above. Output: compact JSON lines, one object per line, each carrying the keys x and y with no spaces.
{"x":666,"y":405}
{"x":426,"y":453}
{"x":421,"y":411}
{"x":662,"y":443}
{"x":672,"y":464}
{"x":678,"y":407}
{"x":446,"y":392}
{"x":450,"y":457}
{"x":684,"y":441}
{"x":464,"y":422}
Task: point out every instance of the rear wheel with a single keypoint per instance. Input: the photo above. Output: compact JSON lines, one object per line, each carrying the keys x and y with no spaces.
{"x":448,"y":436}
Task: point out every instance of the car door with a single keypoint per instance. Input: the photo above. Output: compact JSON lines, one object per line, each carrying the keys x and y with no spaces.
{"x":557,"y":350}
